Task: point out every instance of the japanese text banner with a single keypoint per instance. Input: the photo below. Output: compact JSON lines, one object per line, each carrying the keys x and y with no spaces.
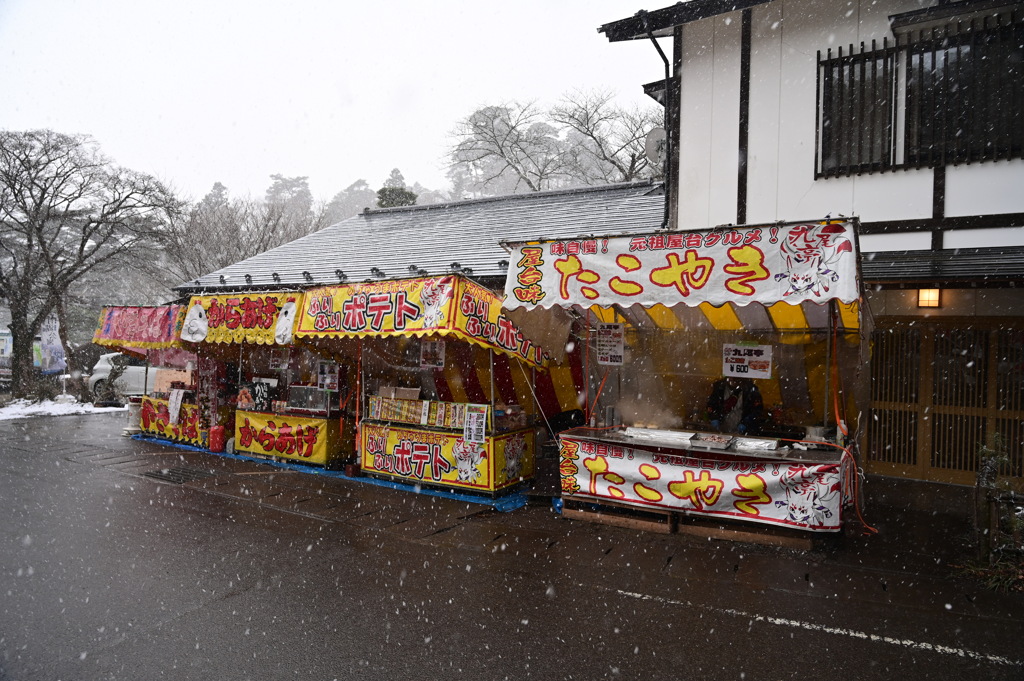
{"x":793,"y":263}
{"x":289,"y":437}
{"x":140,"y":327}
{"x":260,"y":318}
{"x":415,"y":307}
{"x":155,"y":418}
{"x":806,"y":496}
{"x":442,"y":458}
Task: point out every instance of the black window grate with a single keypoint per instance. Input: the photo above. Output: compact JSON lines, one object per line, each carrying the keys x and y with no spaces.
{"x":955,"y":92}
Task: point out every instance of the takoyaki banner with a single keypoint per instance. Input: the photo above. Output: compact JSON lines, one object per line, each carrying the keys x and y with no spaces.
{"x":138,"y":328}
{"x":447,"y":305}
{"x":793,"y":263}
{"x":806,"y":496}
{"x":260,"y":318}
{"x":440,"y":458}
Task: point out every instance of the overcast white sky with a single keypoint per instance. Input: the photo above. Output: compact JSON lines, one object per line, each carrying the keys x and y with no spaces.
{"x":200,"y":91}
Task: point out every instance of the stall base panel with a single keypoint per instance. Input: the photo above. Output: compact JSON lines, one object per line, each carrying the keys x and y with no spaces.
{"x":447,"y":459}
{"x":786,"y":494}
{"x":308,"y":440}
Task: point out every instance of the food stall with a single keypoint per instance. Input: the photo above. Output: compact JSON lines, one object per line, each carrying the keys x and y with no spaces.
{"x":419,"y":342}
{"x":170,"y":411}
{"x":273,"y":396}
{"x":722,"y":369}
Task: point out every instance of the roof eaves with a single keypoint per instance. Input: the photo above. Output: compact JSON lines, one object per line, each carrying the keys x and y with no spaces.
{"x":660,"y":22}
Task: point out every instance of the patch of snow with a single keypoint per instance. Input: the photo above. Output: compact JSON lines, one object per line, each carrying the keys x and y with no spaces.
{"x":19,"y":409}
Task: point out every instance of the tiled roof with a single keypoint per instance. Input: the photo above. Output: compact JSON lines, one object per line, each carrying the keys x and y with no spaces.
{"x":963,"y":266}
{"x":403,"y":242}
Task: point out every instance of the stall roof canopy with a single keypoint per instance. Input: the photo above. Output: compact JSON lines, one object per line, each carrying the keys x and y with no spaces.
{"x":948,"y":267}
{"x":460,"y":238}
{"x":662,"y":21}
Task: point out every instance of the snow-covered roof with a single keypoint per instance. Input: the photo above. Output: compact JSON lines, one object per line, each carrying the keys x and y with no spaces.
{"x":461,"y":237}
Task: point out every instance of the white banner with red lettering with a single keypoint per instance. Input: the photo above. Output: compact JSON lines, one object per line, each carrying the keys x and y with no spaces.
{"x":794,"y":263}
{"x":806,"y":496}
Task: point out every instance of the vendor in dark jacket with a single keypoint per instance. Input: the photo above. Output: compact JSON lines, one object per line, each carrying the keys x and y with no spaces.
{"x":735,"y":406}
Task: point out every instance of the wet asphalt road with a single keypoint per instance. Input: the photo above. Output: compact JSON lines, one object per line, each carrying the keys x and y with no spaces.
{"x":238,"y":570}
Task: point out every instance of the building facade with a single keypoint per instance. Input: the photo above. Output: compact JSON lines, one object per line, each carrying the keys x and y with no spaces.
{"x":906,"y":114}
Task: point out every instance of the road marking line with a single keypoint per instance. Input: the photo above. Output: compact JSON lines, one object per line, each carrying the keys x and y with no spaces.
{"x":810,"y":626}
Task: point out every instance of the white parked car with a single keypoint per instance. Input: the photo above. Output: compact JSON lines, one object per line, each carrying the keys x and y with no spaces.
{"x":133,"y":381}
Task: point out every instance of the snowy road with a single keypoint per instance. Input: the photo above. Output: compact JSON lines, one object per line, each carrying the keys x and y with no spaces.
{"x":233,"y":569}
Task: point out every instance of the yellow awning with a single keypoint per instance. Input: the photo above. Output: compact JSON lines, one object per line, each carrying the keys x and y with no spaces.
{"x":444,"y":306}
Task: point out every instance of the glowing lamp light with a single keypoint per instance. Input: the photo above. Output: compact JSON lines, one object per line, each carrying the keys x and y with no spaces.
{"x":929,"y":297}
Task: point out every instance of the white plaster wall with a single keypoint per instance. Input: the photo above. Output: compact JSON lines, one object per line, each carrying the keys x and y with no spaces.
{"x":787,"y":35}
{"x":696,"y":90}
{"x":709,"y":114}
{"x":725,"y":123}
{"x":984,"y":238}
{"x":998,"y":187}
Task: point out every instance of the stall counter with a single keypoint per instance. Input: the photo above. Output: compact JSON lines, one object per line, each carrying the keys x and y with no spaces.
{"x":306,"y":439}
{"x":155,"y":419}
{"x":800,"y":488}
{"x":441,"y":457}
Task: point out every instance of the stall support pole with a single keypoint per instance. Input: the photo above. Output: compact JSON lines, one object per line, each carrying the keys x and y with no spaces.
{"x":586,"y":367}
{"x":828,"y":368}
{"x":359,"y":400}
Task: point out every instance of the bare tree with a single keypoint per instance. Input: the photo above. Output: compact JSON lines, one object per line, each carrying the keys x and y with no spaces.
{"x":220,"y":230}
{"x":608,"y":141}
{"x":65,"y":210}
{"x":584,"y":140}
{"x":511,"y":144}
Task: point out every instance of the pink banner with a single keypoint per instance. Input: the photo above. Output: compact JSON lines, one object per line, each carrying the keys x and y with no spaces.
{"x":140,"y":327}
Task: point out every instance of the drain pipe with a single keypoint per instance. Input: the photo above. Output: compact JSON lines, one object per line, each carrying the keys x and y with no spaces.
{"x":669,"y":134}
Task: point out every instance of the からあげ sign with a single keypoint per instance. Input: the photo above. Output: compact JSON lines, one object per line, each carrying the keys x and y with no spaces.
{"x":155,"y":418}
{"x":290,"y":437}
{"x":765,"y":264}
{"x":263,"y":319}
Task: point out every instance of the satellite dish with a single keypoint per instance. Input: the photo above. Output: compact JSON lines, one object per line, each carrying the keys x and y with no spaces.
{"x":654,"y":146}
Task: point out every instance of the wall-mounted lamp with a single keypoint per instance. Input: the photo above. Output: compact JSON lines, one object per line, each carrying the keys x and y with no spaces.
{"x":377,"y":272}
{"x":503,"y":264}
{"x":307,"y":276}
{"x":276,"y":277}
{"x":929,"y":297}
{"x":248,"y":278}
{"x":341,"y":275}
{"x":223,"y":279}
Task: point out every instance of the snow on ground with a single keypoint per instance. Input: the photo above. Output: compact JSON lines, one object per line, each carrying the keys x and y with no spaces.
{"x":62,"y":406}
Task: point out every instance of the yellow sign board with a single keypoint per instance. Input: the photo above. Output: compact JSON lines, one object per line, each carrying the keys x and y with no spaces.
{"x":310,"y":440}
{"x":417,"y":307}
{"x":447,"y":458}
{"x":155,"y":419}
{"x":260,"y":318}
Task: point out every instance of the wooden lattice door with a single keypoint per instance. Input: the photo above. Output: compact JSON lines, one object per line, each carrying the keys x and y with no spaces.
{"x":942,"y":389}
